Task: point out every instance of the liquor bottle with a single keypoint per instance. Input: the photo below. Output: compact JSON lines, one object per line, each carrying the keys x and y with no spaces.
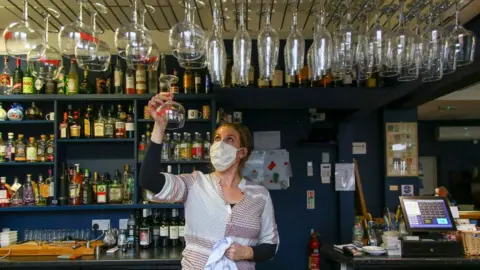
{"x":118,"y":77}
{"x":291,"y":80}
{"x":40,"y":82}
{"x":75,"y":127}
{"x":61,"y":87}
{"x":140,"y":80}
{"x":50,"y":84}
{"x":128,"y":185}
{"x":206,"y":146}
{"x":27,"y":82}
{"x":303,"y":77}
{"x":251,"y":76}
{"x":152,"y":82}
{"x":63,"y":188}
{"x":174,"y":85}
{"x":87,"y":189}
{"x":165,"y":154}
{"x":208,"y":82}
{"x":20,"y":155}
{"x":42,"y":148}
{"x":28,"y":193}
{"x":108,"y":80}
{"x":120,"y":123}
{"x":198,"y":83}
{"x":102,"y":189}
{"x":101,"y":84}
{"x":110,"y":124}
{"x":181,"y":229}
{"x":42,"y":191}
{"x":188,"y":81}
{"x":5,"y":79}
{"x":10,"y":148}
{"x":94,"y":186}
{"x":64,"y":130}
{"x":145,"y":231}
{"x":163,"y":72}
{"x":347,"y":79}
{"x":51,"y":187}
{"x":131,"y":229}
{"x":177,"y":151}
{"x":277,"y":81}
{"x":116,"y":190}
{"x":87,"y":123}
{"x":142,"y":146}
{"x":372,"y":80}
{"x":173,"y":229}
{"x":31,"y":152}
{"x":83,"y":88}
{"x":17,"y":87}
{"x":129,"y":82}
{"x":72,"y":78}
{"x":327,"y":80}
{"x":130,"y":125}
{"x":184,"y":147}
{"x":197,"y":148}
{"x":156,"y":228}
{"x":263,"y":83}
{"x":51,"y":148}
{"x":164,"y":226}
{"x":99,"y":130}
{"x":5,"y":195}
{"x":3,"y":148}
{"x":76,"y":187}
{"x":17,"y":192}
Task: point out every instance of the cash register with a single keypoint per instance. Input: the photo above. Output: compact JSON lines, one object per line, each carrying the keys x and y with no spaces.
{"x":425,"y":219}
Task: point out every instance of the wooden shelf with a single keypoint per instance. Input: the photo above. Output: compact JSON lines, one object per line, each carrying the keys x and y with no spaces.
{"x":26,"y":164}
{"x":112,"y":140}
{"x":87,"y":207}
{"x":26,"y":122}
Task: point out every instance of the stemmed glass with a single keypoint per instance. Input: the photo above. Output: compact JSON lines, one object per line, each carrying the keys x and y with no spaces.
{"x":44,"y":58}
{"x":135,"y":35}
{"x":321,"y":49}
{"x":146,"y":56}
{"x":216,"y":54}
{"x":96,"y":47}
{"x":389,"y":46}
{"x":20,"y":37}
{"x":187,"y":39}
{"x":295,"y":46}
{"x":435,"y":50}
{"x":407,"y":64}
{"x":346,"y":42}
{"x":76,"y":34}
{"x":267,"y":46}
{"x":449,"y":46}
{"x":242,"y":47}
{"x":362,"y":62}
{"x":174,"y":112}
{"x":463,"y":40}
{"x":375,"y":48}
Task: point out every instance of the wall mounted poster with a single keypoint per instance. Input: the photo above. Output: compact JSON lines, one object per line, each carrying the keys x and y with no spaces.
{"x":402,"y":149}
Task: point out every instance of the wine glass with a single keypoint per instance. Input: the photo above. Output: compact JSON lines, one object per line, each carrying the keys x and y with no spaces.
{"x":242,"y":48}
{"x":135,"y":35}
{"x":44,"y":57}
{"x":389,"y":45}
{"x":187,"y":39}
{"x":322,"y":48}
{"x":463,"y":40}
{"x":76,"y":34}
{"x":267,"y":46}
{"x":20,"y":37}
{"x":215,"y":50}
{"x":173,"y":111}
{"x":100,"y":49}
{"x":295,"y":45}
{"x":407,"y":64}
{"x":435,"y":58}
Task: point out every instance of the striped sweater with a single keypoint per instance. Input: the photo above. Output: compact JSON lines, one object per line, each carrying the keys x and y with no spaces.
{"x":210,"y":218}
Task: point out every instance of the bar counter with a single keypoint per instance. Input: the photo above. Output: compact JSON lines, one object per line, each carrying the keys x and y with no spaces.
{"x":140,"y":259}
{"x":339,"y":260}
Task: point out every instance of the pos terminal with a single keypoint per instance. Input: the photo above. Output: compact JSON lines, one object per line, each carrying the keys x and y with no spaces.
{"x":425,"y":218}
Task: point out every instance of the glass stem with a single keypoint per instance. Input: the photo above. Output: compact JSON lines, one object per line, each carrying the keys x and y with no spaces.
{"x":46,"y":28}
{"x":134,"y":14}
{"x":294,"y":19}
{"x":457,"y":13}
{"x":188,"y":11}
{"x":267,"y":18}
{"x":241,"y":17}
{"x":25,"y":10}
{"x":401,"y":19}
{"x":80,"y":12}
{"x":94,"y":23}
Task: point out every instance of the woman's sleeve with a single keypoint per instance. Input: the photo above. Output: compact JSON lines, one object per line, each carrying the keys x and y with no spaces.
{"x":166,"y":187}
{"x":268,"y":241}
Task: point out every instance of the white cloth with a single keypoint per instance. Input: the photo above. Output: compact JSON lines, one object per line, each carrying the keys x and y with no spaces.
{"x":217,"y":259}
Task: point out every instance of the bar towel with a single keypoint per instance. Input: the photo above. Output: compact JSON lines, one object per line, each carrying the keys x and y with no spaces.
{"x":217,"y":259}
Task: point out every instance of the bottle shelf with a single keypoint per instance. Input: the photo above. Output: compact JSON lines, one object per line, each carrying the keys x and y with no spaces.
{"x":206,"y":121}
{"x":26,"y":164}
{"x":26,"y":122}
{"x":168,"y":162}
{"x":89,"y":207}
{"x":111,"y":140}
{"x":98,"y":97}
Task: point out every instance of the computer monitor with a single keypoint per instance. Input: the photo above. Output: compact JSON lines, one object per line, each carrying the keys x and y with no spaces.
{"x":427,"y":213}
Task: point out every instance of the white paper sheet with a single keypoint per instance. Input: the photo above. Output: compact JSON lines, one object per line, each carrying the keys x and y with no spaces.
{"x":266,"y":140}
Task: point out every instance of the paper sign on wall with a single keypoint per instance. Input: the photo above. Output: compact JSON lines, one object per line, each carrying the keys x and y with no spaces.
{"x":407,"y":190}
{"x":359,"y":148}
{"x":325,"y":173}
{"x":310,"y":199}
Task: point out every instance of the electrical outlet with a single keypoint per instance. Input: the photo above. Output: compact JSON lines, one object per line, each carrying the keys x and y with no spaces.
{"x":103,"y":224}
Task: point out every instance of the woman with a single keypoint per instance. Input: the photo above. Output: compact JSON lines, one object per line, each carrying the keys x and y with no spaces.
{"x":218,"y":205}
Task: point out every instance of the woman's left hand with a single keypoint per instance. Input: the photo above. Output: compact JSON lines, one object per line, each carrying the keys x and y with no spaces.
{"x":238,"y":252}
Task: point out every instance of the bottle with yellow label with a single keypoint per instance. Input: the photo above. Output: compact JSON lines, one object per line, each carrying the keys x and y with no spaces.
{"x":72,"y":79}
{"x":27,"y":82}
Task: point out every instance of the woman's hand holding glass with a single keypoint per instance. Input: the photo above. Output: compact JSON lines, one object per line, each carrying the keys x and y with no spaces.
{"x":160,"y":120}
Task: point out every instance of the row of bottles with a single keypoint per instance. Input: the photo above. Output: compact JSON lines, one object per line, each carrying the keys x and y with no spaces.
{"x":178,"y":147}
{"x":114,"y":124}
{"x":31,"y":192}
{"x":81,"y":187}
{"x":155,"y":228}
{"x":41,"y":150}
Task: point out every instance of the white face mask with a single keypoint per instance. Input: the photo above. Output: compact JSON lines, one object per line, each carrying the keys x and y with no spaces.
{"x":222,"y":155}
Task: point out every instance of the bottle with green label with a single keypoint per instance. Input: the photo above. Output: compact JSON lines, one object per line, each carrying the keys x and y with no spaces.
{"x":27,"y":82}
{"x":61,"y":82}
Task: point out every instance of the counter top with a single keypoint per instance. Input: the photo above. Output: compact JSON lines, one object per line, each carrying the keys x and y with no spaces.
{"x":330,"y":254}
{"x":148,"y":257}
